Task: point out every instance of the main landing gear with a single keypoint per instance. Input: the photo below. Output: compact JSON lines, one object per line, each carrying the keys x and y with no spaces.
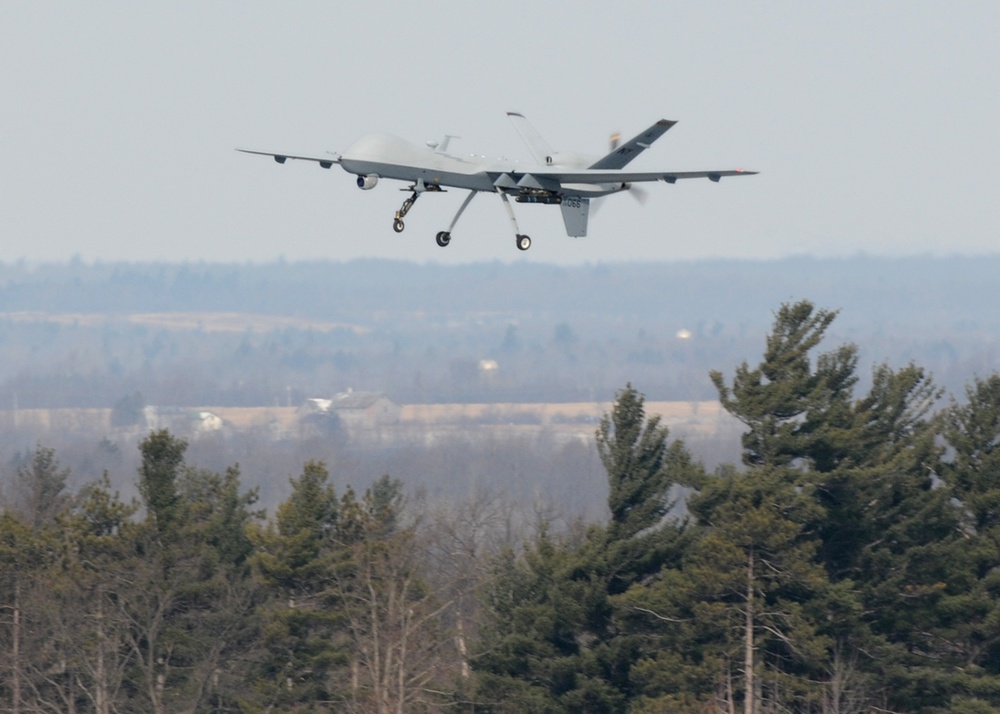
{"x":443,"y":238}
{"x":523,"y":242}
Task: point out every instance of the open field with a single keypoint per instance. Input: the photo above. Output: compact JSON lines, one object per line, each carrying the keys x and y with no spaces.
{"x":701,"y":417}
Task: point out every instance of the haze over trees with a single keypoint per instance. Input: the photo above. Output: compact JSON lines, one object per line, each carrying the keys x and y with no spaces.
{"x":79,"y":335}
{"x":847,"y":564}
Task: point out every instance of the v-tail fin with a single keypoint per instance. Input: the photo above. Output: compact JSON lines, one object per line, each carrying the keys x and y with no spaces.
{"x":575,"y":212}
{"x":540,"y":150}
{"x":621,"y":155}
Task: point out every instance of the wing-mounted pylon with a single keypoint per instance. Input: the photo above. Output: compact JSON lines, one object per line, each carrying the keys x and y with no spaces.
{"x":324,"y":160}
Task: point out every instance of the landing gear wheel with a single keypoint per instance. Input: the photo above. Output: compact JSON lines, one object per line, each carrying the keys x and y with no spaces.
{"x":443,"y":238}
{"x":397,"y":223}
{"x":523,"y":242}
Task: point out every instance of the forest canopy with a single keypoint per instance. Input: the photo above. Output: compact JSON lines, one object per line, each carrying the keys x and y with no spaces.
{"x":847,"y":564}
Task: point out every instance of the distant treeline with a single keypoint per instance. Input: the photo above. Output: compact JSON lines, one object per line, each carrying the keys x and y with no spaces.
{"x":420,"y":333}
{"x":848,"y":565}
{"x":911,"y":291}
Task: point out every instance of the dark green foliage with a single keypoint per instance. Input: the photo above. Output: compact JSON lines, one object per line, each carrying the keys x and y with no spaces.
{"x":790,"y":408}
{"x":551,"y":642}
{"x":294,"y":559}
{"x":968,"y":628}
{"x":833,"y":575}
{"x":544,"y":644}
{"x":972,"y":431}
{"x":634,"y":453}
{"x":850,"y":565}
{"x":162,"y":458}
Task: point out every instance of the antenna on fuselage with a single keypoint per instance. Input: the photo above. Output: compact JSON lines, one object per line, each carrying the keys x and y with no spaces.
{"x":441,"y":147}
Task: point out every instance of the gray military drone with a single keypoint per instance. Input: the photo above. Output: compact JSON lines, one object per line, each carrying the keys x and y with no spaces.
{"x":569,"y":181}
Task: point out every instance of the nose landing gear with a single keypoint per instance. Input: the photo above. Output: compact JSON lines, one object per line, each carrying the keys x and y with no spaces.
{"x":397,"y":223}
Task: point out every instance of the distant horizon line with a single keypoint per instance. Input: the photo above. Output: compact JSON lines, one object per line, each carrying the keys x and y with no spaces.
{"x":76,"y":260}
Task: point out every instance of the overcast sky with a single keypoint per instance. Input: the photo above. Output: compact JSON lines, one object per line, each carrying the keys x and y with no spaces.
{"x":874,"y":124}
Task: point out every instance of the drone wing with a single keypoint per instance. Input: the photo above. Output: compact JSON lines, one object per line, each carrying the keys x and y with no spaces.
{"x":326,"y":160}
{"x":598,"y":177}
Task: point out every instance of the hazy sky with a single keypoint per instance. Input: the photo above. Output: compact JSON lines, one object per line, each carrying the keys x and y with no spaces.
{"x":874,"y":124}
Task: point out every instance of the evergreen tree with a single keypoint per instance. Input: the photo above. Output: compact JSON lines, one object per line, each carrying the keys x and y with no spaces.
{"x":634,"y":453}
{"x":192,"y":605}
{"x":972,"y":430}
{"x":24,"y":555}
{"x":885,"y":531}
{"x":967,"y":635}
{"x":792,"y":410}
{"x":295,"y":559}
{"x":551,"y":642}
{"x":734,"y":625}
{"x":162,"y":458}
{"x":41,"y":488}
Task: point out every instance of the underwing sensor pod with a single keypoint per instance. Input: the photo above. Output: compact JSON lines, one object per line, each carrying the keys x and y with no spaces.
{"x":567,"y":180}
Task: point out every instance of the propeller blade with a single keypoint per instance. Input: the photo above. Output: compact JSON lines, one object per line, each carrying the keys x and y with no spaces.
{"x":615,"y":138}
{"x":639,"y":194}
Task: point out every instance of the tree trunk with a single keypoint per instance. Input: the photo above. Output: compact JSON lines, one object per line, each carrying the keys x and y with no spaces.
{"x":730,"y":699}
{"x":101,"y":690}
{"x":16,"y":650}
{"x":748,"y":663}
{"x":463,"y":649}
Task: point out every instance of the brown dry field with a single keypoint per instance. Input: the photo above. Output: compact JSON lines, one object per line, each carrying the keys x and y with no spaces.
{"x":694,"y":416}
{"x":671,"y":412}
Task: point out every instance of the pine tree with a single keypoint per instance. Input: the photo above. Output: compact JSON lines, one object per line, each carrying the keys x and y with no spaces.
{"x":551,"y":642}
{"x":972,"y":430}
{"x":162,"y":459}
{"x":734,"y":623}
{"x":295,"y":559}
{"x":885,"y":530}
{"x":634,"y":452}
{"x":24,"y":553}
{"x":967,"y":634}
{"x":192,"y":605}
{"x":41,"y":488}
{"x":791,"y":409}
